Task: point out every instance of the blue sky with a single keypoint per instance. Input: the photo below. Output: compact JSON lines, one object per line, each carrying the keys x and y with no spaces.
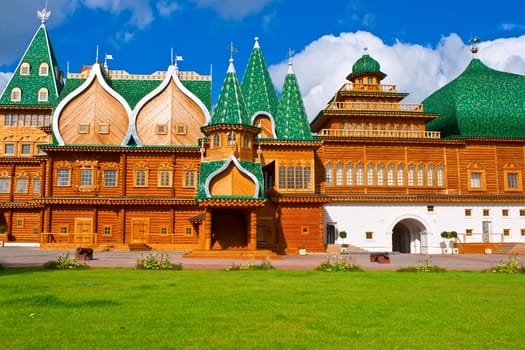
{"x":420,"y":45}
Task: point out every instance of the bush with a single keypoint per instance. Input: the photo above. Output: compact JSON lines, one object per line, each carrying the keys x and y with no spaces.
{"x":156,"y":262}
{"x":423,"y":266}
{"x":338,"y":264}
{"x":64,"y":262}
{"x":266,"y":264}
{"x":449,"y":234}
{"x":512,"y":265}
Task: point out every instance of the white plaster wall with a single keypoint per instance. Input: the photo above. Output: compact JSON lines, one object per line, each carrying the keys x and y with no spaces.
{"x":357,"y":219}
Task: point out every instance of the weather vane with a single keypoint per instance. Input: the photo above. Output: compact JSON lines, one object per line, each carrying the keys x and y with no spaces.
{"x":232,"y":49}
{"x":474,"y":44}
{"x":43,"y":14}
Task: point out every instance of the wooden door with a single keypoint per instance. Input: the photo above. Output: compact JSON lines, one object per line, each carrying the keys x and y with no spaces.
{"x":140,"y":230}
{"x":83,"y":230}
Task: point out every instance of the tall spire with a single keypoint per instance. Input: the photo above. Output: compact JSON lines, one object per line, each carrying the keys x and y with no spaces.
{"x":291,"y":119}
{"x":257,"y":85}
{"x":231,"y":108}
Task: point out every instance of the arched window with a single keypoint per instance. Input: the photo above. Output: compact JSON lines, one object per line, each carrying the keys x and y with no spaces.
{"x":16,"y":94}
{"x":216,"y":140}
{"x":43,"y":69}
{"x":430,"y":175}
{"x":282,"y":177}
{"x":421,"y":175}
{"x":349,"y":174}
{"x":380,"y":174}
{"x":339,"y":175}
{"x":329,"y":176}
{"x":43,"y":94}
{"x":440,"y":176}
{"x":290,"y":178}
{"x":411,"y":175}
{"x":299,"y":177}
{"x":359,"y":174}
{"x":25,"y":68}
{"x":370,"y":174}
{"x":307,"y":172}
{"x":390,"y":174}
{"x":231,"y":138}
{"x":400,"y":175}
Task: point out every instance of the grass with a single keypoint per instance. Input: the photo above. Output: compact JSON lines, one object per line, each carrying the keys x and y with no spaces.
{"x":272,"y":309}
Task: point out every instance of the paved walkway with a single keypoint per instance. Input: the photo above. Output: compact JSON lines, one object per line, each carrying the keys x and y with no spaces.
{"x":30,"y":256}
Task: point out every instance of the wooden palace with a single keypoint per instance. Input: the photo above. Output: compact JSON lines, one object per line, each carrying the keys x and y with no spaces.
{"x":112,"y":160}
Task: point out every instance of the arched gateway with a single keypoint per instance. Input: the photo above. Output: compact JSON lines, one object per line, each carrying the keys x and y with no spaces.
{"x":410,"y":236}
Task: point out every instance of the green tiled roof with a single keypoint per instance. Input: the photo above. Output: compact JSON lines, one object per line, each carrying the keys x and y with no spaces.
{"x":291,"y":119}
{"x":39,"y":51}
{"x":257,"y":87}
{"x":207,"y":168}
{"x":231,"y":108}
{"x":366,"y":64}
{"x":479,"y":102}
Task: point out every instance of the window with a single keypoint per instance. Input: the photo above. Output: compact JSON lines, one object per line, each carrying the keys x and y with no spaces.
{"x":298,"y":177}
{"x":339,"y":174}
{"x":400,"y":175}
{"x":26,"y":149}
{"x":63,"y":229}
{"x":522,"y":212}
{"x":141,"y":178}
{"x":20,"y":223}
{"x":16,"y":94}
{"x":504,"y":212}
{"x":421,"y":175}
{"x":486,"y":212}
{"x":329,"y":177}
{"x":216,"y":140}
{"x":246,"y":141}
{"x":381,"y":174}
{"x":107,"y":230}
{"x":9,"y":149}
{"x":349,"y":174}
{"x":4,"y":185}
{"x":506,"y":232}
{"x":369,"y":235}
{"x":188,"y":231}
{"x":522,"y":232}
{"x":161,"y":129}
{"x":468,"y":232}
{"x":307,"y":173}
{"x":430,"y":175}
{"x":305,"y":230}
{"x":86,"y":177}
{"x":43,"y":69}
{"x":475,"y":180}
{"x":430,"y":208}
{"x":110,"y":178}
{"x":468,"y":212}
{"x":282,"y":177}
{"x":231,"y":138}
{"x":189,"y":178}
{"x":476,"y":177}
{"x":83,"y":128}
{"x":21,"y":185}
{"x":43,"y":94}
{"x":512,"y":179}
{"x":181,"y":129}
{"x":390,"y":174}
{"x":441,"y":175}
{"x":165,"y":176}
{"x":25,"y":69}
{"x":36,"y":185}
{"x":103,"y":128}
{"x":163,"y":230}
{"x":290,"y":178}
{"x":359,"y":174}
{"x":35,"y":230}
{"x":63,"y":177}
{"x":370,"y":174}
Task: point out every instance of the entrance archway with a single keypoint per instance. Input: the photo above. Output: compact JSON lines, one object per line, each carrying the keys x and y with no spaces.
{"x":229,"y":229}
{"x":409,"y":236}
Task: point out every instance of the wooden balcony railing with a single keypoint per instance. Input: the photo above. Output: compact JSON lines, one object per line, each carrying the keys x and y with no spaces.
{"x":375,"y":106}
{"x":368,"y":87}
{"x":380,"y":133}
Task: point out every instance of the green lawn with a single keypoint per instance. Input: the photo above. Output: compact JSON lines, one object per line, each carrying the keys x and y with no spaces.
{"x":276,"y":309}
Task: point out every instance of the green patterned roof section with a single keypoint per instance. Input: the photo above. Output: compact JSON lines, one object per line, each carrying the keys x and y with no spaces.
{"x":257,"y":86}
{"x":231,"y":108}
{"x":480,"y":102}
{"x":291,"y":119}
{"x":39,"y":51}
{"x":366,"y":64}
{"x":208,"y":168}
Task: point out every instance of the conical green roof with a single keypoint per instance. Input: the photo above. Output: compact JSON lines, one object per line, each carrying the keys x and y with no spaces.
{"x":480,"y":102}
{"x":257,"y":87}
{"x":366,"y":65}
{"x":291,"y":119}
{"x":39,"y":51}
{"x":231,"y":108}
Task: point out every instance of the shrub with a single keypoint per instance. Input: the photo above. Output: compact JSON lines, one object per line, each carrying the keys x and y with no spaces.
{"x":423,"y":266}
{"x":64,"y":262}
{"x":266,"y":264}
{"x":156,"y":262}
{"x":449,"y":234}
{"x":338,"y":264}
{"x":512,"y":265}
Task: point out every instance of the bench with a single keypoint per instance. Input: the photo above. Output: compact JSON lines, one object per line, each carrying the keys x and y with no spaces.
{"x":381,"y":257}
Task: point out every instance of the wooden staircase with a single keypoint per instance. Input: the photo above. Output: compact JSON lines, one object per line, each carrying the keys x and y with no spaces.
{"x":511,"y":249}
{"x":338,"y":249}
{"x":138,"y":247}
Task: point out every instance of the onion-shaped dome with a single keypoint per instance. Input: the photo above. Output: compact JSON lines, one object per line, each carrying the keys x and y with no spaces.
{"x":366,"y":65}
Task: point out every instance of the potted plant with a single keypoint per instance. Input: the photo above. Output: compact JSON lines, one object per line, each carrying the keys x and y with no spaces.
{"x":342,"y":235}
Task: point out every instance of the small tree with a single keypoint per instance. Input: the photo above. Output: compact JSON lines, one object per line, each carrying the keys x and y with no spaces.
{"x":342,"y":234}
{"x":3,"y":228}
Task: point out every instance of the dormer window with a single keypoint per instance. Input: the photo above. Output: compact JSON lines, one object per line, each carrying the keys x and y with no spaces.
{"x":161,"y":129}
{"x":44,"y":69}
{"x":16,"y":94}
{"x":25,"y":68}
{"x":43,"y":94}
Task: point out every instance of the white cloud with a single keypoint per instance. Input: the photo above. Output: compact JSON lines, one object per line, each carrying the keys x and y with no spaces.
{"x":166,"y":7}
{"x":234,"y":9}
{"x":4,"y":79}
{"x":323,"y":65}
{"x":141,"y":11}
